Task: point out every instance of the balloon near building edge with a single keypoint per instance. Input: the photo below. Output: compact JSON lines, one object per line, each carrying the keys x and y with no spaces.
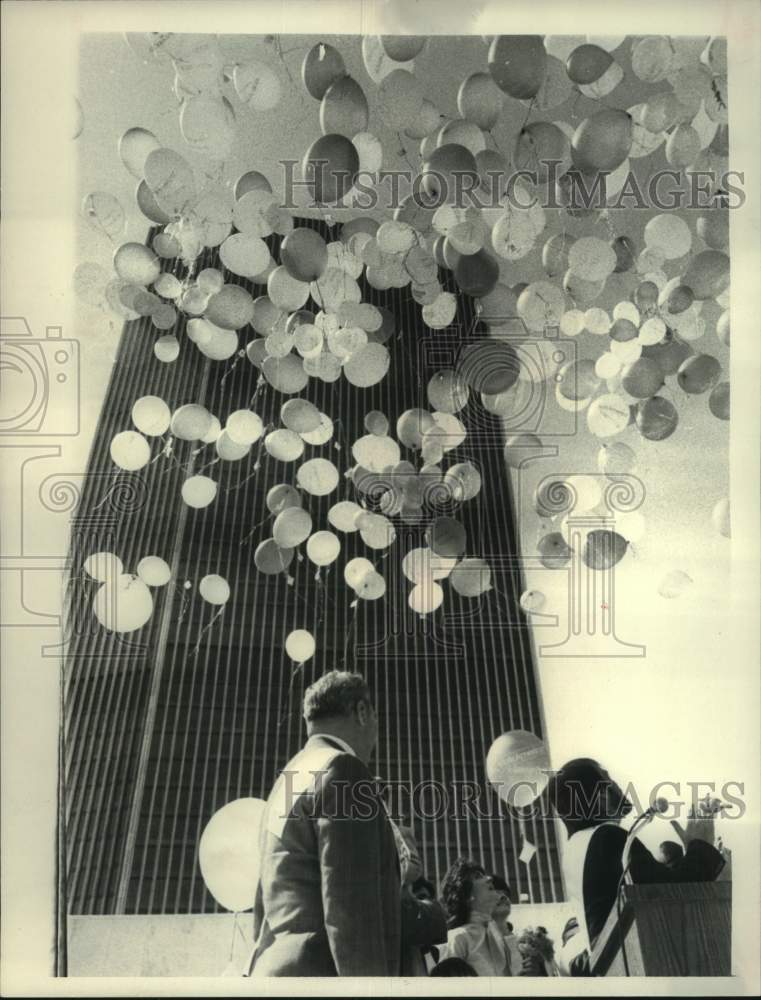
{"x":517,"y":764}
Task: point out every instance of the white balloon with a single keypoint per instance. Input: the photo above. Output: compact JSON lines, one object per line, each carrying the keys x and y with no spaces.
{"x":426,"y":597}
{"x":608,"y":415}
{"x":674,"y":584}
{"x":244,"y":427}
{"x":376,"y":452}
{"x":323,"y":548}
{"x":356,"y":570}
{"x":154,"y":571}
{"x":318,"y":477}
{"x":130,"y":451}
{"x":103,"y":566}
{"x":123,"y":603}
{"x":343,"y":514}
{"x":721,"y":517}
{"x":284,"y":445}
{"x":214,"y":589}
{"x":229,"y":856}
{"x":198,"y":491}
{"x":300,"y":645}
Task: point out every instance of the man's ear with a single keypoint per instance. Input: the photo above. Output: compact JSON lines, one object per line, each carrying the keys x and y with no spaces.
{"x":362,"y":713}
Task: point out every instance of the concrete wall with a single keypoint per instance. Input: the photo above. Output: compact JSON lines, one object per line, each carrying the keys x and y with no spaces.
{"x":201,"y":945}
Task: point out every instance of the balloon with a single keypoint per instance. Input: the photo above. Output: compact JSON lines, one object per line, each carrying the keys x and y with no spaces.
{"x":400,"y":98}
{"x":517,"y":64}
{"x":299,"y":415}
{"x":292,"y":526}
{"x":471,"y":577}
{"x":402,"y":48}
{"x":518,"y":766}
{"x":343,"y":514}
{"x":540,"y":305}
{"x":171,"y":180}
{"x":698,"y":373}
{"x":448,"y":172}
{"x":683,"y":146}
{"x":320,"y":435}
{"x":411,"y":426}
{"x":713,"y":228}
{"x":208,"y":125}
{"x":190,"y":422}
{"x":356,"y":570}
{"x":376,"y":423}
{"x":198,"y":491}
{"x":652,"y":58}
{"x":134,"y":148}
{"x":624,"y":249}
{"x":371,"y":587}
{"x":285,"y":291}
{"x":708,"y":274}
{"x":123,"y":604}
{"x":281,"y":496}
{"x":669,"y":234}
{"x":284,"y":445}
{"x":151,"y":416}
{"x":304,"y":254}
{"x":447,"y":392}
{"x":214,"y":589}
{"x":252,"y":180}
{"x":520,"y":447}
{"x":230,"y":308}
{"x":578,"y":379}
{"x":130,"y":451}
{"x":375,"y":530}
{"x":376,"y":453}
{"x":532,"y":601}
{"x":591,"y":258}
{"x":446,"y":537}
{"x":153,"y":571}
{"x":656,"y":418}
{"x":103,"y":566}
{"x":604,"y":549}
{"x":244,"y":427}
{"x":105,"y":214}
{"x":718,"y":401}
{"x":330,"y":168}
{"x":539,"y":145}
{"x":587,"y":63}
{"x":722,"y":328}
{"x":426,"y":597}
{"x":476,"y":274}
{"x":367,"y":366}
{"x":323,"y":548}
{"x":230,"y":450}
{"x":269,"y":558}
{"x":479,"y":100}
{"x":669,"y":354}
{"x":721,"y":517}
{"x":553,"y":550}
{"x":642,"y":379}
{"x":608,"y":415}
{"x":422,"y":564}
{"x":318,"y":477}
{"x":674,"y":584}
{"x":228,"y":853}
{"x":244,"y":255}
{"x":257,"y":85}
{"x":463,"y":481}
{"x":602,"y":141}
{"x":323,"y":64}
{"x":136,"y":264}
{"x":300,"y":645}
{"x":344,"y":109}
{"x":286,"y":374}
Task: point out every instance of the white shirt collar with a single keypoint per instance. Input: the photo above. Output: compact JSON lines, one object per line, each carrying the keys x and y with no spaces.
{"x":336,"y":739}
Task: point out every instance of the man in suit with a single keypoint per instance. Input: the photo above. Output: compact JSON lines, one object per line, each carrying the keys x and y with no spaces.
{"x":329,"y":895}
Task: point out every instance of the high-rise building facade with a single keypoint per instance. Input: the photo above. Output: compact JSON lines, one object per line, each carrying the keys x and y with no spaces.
{"x":167,"y":724}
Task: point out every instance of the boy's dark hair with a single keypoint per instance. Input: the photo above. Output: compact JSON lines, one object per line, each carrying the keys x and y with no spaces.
{"x":336,"y":693}
{"x":671,"y":851}
{"x":453,"y":966}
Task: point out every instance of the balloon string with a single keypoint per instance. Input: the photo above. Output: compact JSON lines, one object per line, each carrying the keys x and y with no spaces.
{"x":207,"y":466}
{"x":350,"y":631}
{"x":287,"y":710}
{"x":252,"y":474}
{"x":232,"y":939}
{"x":230,"y":369}
{"x":197,"y":647}
{"x":257,"y":525}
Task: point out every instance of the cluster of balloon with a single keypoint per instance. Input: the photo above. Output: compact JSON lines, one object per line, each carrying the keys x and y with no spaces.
{"x":229,"y":856}
{"x":123,"y":602}
{"x":518,"y":767}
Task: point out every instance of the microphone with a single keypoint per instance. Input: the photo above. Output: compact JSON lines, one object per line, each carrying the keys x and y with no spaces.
{"x":656,"y":808}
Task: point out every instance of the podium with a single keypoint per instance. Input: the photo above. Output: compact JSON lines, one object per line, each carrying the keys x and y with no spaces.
{"x":669,"y":929}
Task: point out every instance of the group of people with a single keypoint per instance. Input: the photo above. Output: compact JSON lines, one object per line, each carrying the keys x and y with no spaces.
{"x":342,"y":891}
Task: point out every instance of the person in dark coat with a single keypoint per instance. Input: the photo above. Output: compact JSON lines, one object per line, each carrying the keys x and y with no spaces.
{"x":592,"y":806}
{"x":329,"y":895}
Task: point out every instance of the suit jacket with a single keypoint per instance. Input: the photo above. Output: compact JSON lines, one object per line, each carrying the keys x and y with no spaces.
{"x":328,"y":902}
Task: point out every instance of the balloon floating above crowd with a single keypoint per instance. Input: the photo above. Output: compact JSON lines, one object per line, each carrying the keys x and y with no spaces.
{"x":641,"y":296}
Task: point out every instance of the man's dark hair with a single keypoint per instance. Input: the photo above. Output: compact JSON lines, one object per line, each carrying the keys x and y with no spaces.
{"x":671,"y":851}
{"x":336,"y":693}
{"x":453,"y":966}
{"x":456,"y":888}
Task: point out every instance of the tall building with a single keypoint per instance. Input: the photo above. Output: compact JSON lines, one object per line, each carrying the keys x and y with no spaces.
{"x":167,"y":724}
